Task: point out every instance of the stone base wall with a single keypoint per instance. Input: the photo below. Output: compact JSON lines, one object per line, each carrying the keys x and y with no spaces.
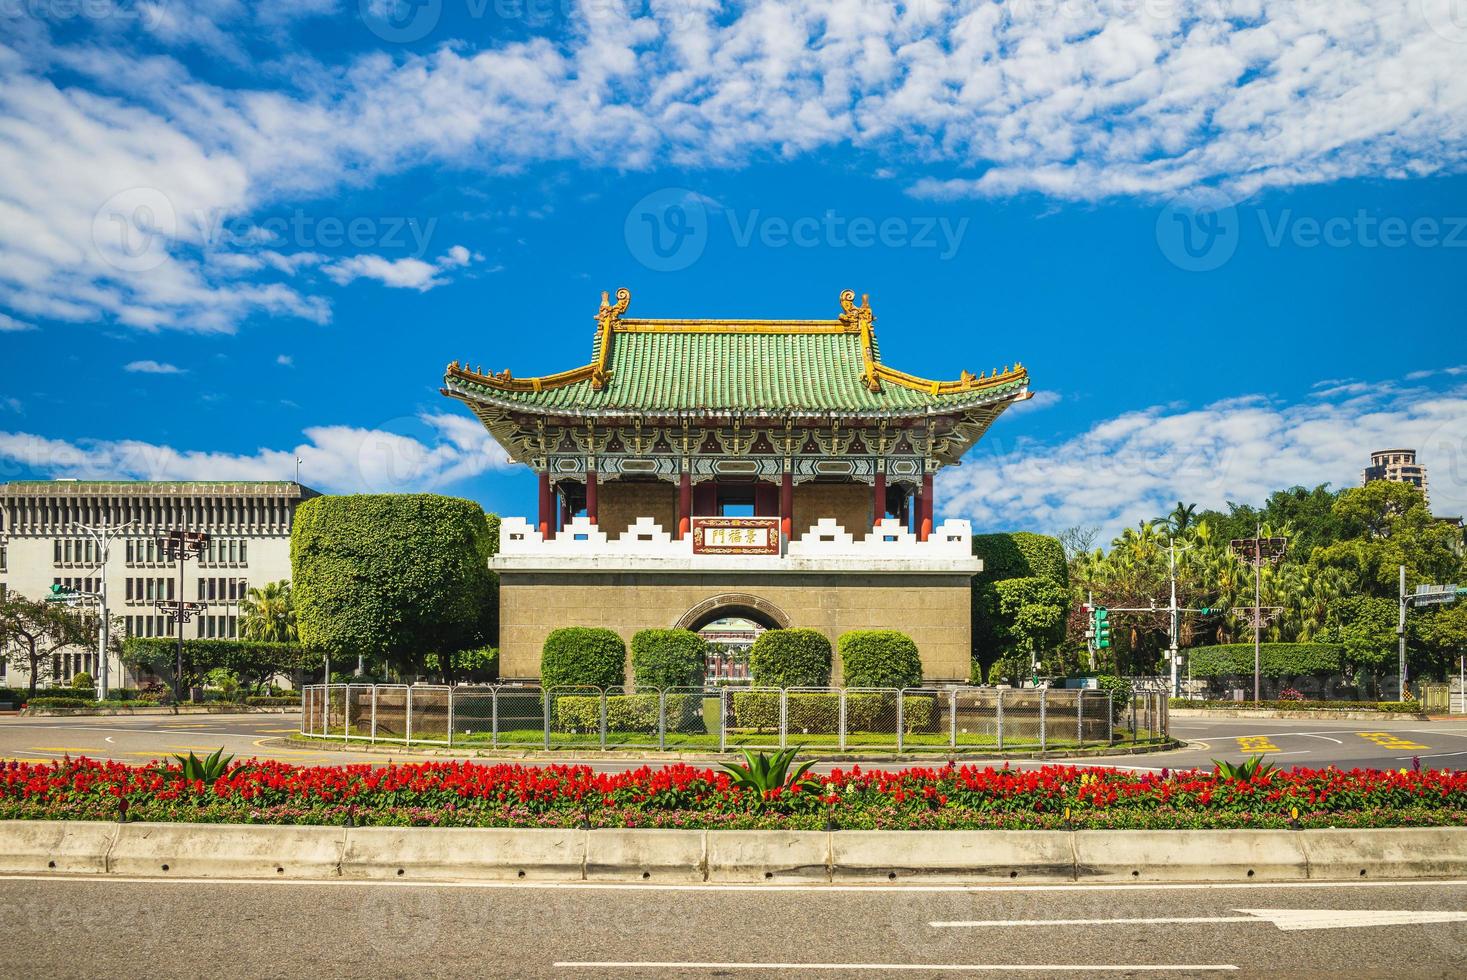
{"x":934,"y":610}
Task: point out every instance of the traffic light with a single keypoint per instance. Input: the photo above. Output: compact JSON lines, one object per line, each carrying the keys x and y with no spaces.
{"x":1206,"y":611}
{"x":1102,"y":627}
{"x":59,"y":589}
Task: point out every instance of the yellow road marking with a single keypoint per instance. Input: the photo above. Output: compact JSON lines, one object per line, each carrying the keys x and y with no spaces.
{"x":277,"y":731}
{"x":1388,"y":741}
{"x":1256,"y":743}
{"x":22,"y":758}
{"x":66,"y":748}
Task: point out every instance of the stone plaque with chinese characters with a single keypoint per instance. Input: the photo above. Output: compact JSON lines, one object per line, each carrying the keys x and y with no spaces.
{"x":735,"y":535}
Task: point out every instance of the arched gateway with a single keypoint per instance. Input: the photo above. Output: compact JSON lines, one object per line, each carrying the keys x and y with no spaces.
{"x":774,"y":472}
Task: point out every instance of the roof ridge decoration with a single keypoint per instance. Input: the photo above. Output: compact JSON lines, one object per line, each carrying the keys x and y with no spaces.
{"x":853,"y":319}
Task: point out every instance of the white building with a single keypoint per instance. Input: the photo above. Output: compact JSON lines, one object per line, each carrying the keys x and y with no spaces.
{"x":42,"y":544}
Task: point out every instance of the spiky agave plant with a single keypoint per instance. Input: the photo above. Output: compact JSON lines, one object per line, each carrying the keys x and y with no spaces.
{"x":762,"y":774}
{"x":1247,"y":769}
{"x":208,"y":769}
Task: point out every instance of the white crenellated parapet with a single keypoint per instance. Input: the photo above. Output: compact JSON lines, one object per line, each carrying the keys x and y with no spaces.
{"x":888,"y":546}
{"x":646,"y":537}
{"x":518,"y":536}
{"x":825,"y":537}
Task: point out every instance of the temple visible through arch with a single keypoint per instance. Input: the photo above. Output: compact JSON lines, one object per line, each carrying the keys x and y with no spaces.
{"x":778,"y":459}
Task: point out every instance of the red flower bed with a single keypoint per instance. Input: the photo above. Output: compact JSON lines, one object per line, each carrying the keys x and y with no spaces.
{"x":952,"y":797}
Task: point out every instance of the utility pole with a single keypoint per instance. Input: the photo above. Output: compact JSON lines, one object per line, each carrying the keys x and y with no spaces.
{"x":1257,"y":551}
{"x":180,"y":546}
{"x":1174,"y":624}
{"x":103,"y":535}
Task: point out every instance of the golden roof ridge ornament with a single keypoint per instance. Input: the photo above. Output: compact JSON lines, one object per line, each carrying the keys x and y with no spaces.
{"x":606,"y":320}
{"x":863,"y":320}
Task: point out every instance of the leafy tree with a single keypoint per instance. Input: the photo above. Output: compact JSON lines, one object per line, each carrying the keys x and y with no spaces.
{"x":392,"y":576}
{"x":1385,"y":525}
{"x":254,"y":662}
{"x":1180,"y":520}
{"x":41,"y":630}
{"x":1365,"y":626}
{"x":1442,"y":637}
{"x":1001,"y":626}
{"x":267,"y":613}
{"x":1030,"y":617}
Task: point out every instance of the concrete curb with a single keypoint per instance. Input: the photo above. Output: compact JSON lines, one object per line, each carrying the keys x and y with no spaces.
{"x":256,"y":851}
{"x":1302,"y":715}
{"x":233,"y":709}
{"x":582,"y":753}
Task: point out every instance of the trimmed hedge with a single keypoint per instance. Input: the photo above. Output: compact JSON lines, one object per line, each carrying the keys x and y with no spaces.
{"x":791,"y":658}
{"x":270,"y":701}
{"x":879,"y":658}
{"x":254,"y":660}
{"x":576,"y":656}
{"x":668,"y":658}
{"x":54,"y":703}
{"x":1393,"y":707}
{"x":819,"y":713}
{"x":1275,"y":659}
{"x":628,"y":713}
{"x":1020,"y":554}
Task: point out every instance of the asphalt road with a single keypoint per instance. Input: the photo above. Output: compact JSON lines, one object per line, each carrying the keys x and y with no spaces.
{"x":88,"y":927}
{"x":1374,"y":744}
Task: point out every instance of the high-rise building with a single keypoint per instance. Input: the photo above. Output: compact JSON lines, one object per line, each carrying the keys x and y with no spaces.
{"x":42,"y":543}
{"x":1397,"y":465}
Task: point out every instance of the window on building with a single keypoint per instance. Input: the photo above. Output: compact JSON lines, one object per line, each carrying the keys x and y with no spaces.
{"x":736,"y":501}
{"x":4,"y":556}
{"x":244,"y":556}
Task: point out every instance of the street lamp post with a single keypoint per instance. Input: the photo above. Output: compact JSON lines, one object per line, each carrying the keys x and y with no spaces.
{"x":103,"y":535}
{"x":1258,"y":551}
{"x":180,"y":546}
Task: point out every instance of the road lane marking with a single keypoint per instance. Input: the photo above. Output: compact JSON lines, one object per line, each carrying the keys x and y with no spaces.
{"x":65,"y":748}
{"x":1290,"y":920}
{"x":1386,"y":740}
{"x":928,"y":967}
{"x":1256,"y":743}
{"x":1438,"y":755}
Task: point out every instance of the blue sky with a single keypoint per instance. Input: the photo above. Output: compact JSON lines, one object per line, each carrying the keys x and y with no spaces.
{"x":1228,"y":240}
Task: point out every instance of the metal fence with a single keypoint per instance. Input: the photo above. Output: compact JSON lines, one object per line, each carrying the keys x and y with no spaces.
{"x":724,"y":718}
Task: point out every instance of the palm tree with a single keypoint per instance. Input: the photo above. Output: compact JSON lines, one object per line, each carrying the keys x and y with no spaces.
{"x":1180,"y":520}
{"x":267,"y":614}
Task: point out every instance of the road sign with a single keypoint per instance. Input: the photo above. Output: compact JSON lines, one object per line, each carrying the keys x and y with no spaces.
{"x":1431,"y":595}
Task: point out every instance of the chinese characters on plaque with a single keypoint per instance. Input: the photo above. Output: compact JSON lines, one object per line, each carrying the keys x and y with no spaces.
{"x":735,"y":535}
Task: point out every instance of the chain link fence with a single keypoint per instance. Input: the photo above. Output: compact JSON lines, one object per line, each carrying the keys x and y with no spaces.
{"x":725,"y":718}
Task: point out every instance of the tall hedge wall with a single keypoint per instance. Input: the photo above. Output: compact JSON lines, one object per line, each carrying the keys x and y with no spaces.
{"x":668,"y":658}
{"x":583,"y":655}
{"x":879,"y":658}
{"x":254,"y":661}
{"x":1275,"y":659}
{"x":1020,"y":554}
{"x":392,"y":575}
{"x":791,"y":658}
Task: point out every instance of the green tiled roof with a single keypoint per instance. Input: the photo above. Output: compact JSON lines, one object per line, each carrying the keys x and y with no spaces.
{"x":738,"y":370}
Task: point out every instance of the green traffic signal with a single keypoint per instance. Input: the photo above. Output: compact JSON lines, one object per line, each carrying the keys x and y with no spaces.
{"x":1102,"y":627}
{"x":57,"y":589}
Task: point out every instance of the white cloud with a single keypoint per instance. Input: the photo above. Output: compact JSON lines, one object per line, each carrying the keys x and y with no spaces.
{"x":9,"y":324}
{"x":1038,"y":401}
{"x":1136,"y":465}
{"x":152,"y":367}
{"x":422,"y":453}
{"x":408,"y":273}
{"x":285,"y":360}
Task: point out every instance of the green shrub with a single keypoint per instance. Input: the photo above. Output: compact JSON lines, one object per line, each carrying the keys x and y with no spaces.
{"x":583,"y":656}
{"x":1398,"y":707}
{"x":791,"y":658}
{"x":1275,"y":659}
{"x":272,"y":701}
{"x":626,"y":712}
{"x":58,"y":703}
{"x":82,"y":680}
{"x":879,"y":658}
{"x":819,"y":713}
{"x":668,"y":658}
{"x":1119,"y":689}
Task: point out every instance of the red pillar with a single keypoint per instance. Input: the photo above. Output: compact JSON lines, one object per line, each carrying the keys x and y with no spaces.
{"x":925,"y":528}
{"x":684,"y":504}
{"x":786,"y":504}
{"x":547,"y":502}
{"x":878,"y":497}
{"x":591,"y":495}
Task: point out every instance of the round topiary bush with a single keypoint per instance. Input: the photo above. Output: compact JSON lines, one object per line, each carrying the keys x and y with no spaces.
{"x":791,"y":658}
{"x":668,"y":658}
{"x":879,"y":658}
{"x":82,"y":681}
{"x":583,"y":655}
